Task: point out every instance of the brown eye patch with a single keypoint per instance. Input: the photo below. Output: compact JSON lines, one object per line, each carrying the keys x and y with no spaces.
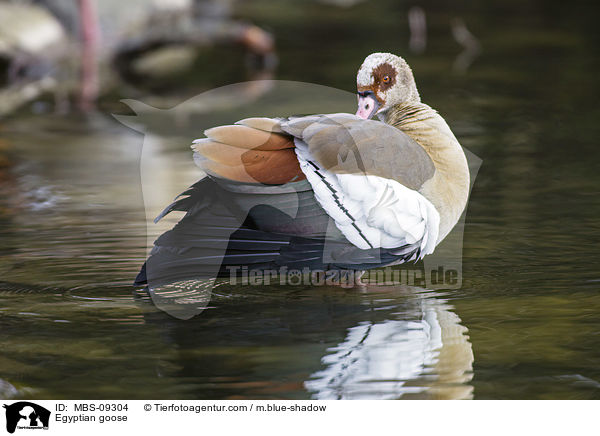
{"x":385,"y":74}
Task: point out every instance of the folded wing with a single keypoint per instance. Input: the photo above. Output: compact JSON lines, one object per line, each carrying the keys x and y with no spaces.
{"x":367,"y":175}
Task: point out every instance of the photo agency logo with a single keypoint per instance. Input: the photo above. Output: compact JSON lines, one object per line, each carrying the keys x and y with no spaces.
{"x":25,"y":415}
{"x":288,"y":199}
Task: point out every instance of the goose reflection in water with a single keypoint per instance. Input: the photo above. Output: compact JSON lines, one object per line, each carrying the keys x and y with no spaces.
{"x":378,"y":342}
{"x":427,"y":355}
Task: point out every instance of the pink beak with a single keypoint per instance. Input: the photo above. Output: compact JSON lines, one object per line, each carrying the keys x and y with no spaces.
{"x":367,"y":105}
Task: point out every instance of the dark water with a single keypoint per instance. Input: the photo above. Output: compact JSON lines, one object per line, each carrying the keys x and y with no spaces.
{"x":524,"y":324}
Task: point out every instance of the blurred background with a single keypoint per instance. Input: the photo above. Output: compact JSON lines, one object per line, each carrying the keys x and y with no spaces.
{"x":517,"y":82}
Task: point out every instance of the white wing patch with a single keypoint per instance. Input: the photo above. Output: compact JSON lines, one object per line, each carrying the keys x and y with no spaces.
{"x":371,"y":211}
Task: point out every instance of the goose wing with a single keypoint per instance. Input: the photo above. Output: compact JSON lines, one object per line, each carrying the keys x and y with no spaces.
{"x":367,"y":175}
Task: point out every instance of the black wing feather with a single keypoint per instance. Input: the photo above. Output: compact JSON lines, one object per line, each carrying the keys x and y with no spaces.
{"x":224,"y":228}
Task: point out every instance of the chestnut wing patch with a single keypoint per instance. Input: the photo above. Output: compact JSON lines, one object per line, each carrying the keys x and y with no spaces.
{"x":254,"y":150}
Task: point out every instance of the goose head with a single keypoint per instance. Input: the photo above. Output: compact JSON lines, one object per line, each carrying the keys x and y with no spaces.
{"x":383,"y":81}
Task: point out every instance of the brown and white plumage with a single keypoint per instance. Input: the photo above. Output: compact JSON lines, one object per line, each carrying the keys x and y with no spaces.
{"x":378,"y":192}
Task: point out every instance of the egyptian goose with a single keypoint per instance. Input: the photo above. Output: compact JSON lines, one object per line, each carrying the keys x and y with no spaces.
{"x":336,"y":191}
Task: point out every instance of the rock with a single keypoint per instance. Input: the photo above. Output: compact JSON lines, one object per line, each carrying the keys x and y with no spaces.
{"x":28,"y":30}
{"x":7,"y":390}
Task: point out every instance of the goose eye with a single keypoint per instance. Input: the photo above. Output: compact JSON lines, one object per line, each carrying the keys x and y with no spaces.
{"x":386,"y":79}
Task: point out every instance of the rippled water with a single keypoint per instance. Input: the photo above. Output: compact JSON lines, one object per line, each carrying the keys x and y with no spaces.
{"x":524,"y":324}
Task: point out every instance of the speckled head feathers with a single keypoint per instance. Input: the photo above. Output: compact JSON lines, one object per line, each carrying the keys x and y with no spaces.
{"x":389,"y":77}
